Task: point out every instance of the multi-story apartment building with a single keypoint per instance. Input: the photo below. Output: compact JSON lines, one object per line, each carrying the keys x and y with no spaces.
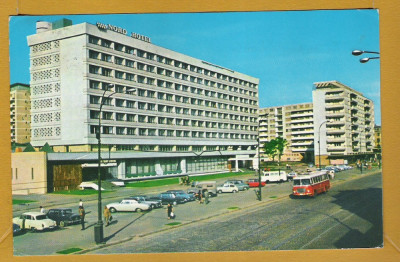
{"x":295,"y":124}
{"x":343,"y":121}
{"x":159,"y":100}
{"x":20,"y":106}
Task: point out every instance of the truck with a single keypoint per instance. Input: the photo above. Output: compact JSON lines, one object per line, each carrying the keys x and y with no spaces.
{"x":274,"y":176}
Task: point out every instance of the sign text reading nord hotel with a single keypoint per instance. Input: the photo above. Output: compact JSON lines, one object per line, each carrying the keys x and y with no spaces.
{"x":122,"y":31}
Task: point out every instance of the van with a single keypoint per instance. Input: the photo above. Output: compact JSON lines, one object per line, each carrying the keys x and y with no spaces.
{"x":274,"y":176}
{"x":209,"y":186}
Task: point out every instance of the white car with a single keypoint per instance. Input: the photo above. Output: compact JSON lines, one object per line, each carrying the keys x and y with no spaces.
{"x":89,"y":185}
{"x":128,"y":205}
{"x":35,"y":221}
{"x":227,"y":188}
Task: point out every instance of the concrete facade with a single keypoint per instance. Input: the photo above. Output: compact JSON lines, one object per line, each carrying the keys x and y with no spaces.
{"x":20,"y":116}
{"x":292,"y":122}
{"x":29,"y":173}
{"x":180,"y":103}
{"x":343,"y":119}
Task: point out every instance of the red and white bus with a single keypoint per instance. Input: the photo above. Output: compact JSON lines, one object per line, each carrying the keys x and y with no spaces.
{"x":312,"y":184}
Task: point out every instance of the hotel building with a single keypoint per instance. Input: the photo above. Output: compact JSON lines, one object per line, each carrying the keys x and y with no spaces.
{"x":20,"y":116}
{"x":343,"y":120}
{"x":295,"y":124}
{"x":193,"y":116}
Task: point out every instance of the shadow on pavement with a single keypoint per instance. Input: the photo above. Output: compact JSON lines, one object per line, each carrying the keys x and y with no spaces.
{"x":122,"y":228}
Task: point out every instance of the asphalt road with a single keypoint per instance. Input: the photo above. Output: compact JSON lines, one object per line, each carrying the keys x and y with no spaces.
{"x":348,"y":216}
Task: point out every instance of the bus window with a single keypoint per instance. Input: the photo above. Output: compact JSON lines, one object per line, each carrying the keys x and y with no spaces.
{"x":305,"y":182}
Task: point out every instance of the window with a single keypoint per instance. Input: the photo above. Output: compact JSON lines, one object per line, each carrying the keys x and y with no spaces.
{"x":94,"y":69}
{"x":151,"y":132}
{"x":94,"y":54}
{"x":94,"y":114}
{"x":151,"y":119}
{"x":130,"y":131}
{"x":151,"y":107}
{"x":120,"y":130}
{"x":119,"y":74}
{"x":94,"y":84}
{"x":118,"y":60}
{"x":105,"y":43}
{"x":120,"y":117}
{"x":107,"y":115}
{"x":118,"y":47}
{"x":141,"y":105}
{"x":140,"y":79}
{"x":161,"y":132}
{"x":106,"y":57}
{"x":129,"y":63}
{"x":94,"y":99}
{"x":130,"y":104}
{"x":107,"y":130}
{"x":94,"y":129}
{"x":140,"y":53}
{"x":141,"y":119}
{"x":94,"y":40}
{"x":130,"y":118}
{"x":129,"y":50}
{"x":106,"y":72}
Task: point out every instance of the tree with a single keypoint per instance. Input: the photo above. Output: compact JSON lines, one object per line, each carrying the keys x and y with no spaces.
{"x":280,"y":146}
{"x":270,"y":149}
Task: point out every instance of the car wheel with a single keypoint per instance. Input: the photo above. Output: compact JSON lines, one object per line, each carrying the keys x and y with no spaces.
{"x":234,"y":191}
{"x":113,"y":210}
{"x":33,"y":230}
{"x":62,"y":224}
{"x":138,"y":210}
{"x":219,"y":191}
{"x":174,"y":203}
{"x":152,"y":206}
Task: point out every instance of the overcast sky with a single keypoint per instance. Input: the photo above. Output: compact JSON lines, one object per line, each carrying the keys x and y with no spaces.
{"x":287,"y":51}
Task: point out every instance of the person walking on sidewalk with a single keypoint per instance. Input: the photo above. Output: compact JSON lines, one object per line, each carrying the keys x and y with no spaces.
{"x":82,"y":215}
{"x":107,"y":215}
{"x":170,"y":210}
{"x":206,"y":196}
{"x":42,"y":210}
{"x":80,"y":203}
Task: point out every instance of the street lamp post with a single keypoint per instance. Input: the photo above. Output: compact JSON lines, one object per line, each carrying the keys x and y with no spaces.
{"x":365,"y":59}
{"x":259,"y":164}
{"x":319,"y":143}
{"x":98,"y":228}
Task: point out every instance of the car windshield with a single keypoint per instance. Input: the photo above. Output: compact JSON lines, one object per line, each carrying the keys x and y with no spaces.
{"x":41,"y":217}
{"x":67,"y":211}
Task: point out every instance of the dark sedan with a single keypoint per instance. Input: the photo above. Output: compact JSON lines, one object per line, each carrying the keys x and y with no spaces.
{"x":63,"y":216}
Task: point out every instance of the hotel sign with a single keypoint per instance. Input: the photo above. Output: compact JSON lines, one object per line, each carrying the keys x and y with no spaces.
{"x":122,"y":31}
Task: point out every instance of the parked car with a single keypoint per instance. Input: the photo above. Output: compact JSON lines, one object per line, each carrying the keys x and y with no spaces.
{"x":227,"y":188}
{"x":35,"y":221}
{"x":209,"y":186}
{"x":142,"y":199}
{"x":239,"y":183}
{"x":89,"y":185}
{"x":167,"y":198}
{"x":291,"y":175}
{"x":117,"y":182}
{"x":182,"y":195}
{"x":16,"y":230}
{"x":128,"y":205}
{"x":254,"y":183}
{"x":63,"y":216}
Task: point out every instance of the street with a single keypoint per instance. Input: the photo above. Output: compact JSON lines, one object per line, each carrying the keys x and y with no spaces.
{"x":348,"y":216}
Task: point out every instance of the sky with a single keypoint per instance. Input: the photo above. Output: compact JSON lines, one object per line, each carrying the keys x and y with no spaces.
{"x":287,"y":51}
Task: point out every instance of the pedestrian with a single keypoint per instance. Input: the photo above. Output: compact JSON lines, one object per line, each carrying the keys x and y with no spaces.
{"x":82,"y":215}
{"x":42,"y":210}
{"x":80,"y":203}
{"x":206,"y":195}
{"x":170,"y":212}
{"x":107,"y":215}
{"x":200,"y":197}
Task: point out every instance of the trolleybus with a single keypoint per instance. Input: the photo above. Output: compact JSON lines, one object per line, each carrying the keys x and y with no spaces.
{"x":312,"y":184}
